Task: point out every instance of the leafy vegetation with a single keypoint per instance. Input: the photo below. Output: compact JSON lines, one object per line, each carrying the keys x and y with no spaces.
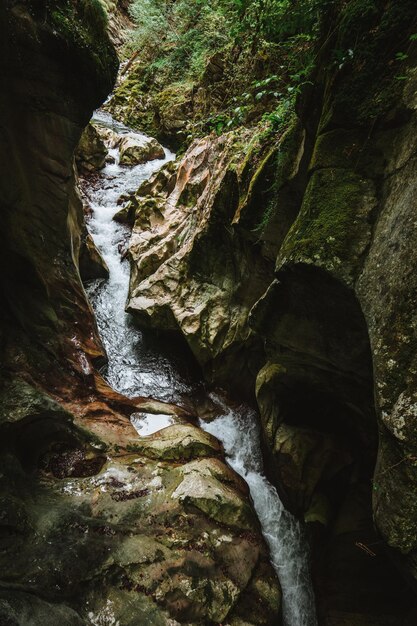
{"x":252,"y":57}
{"x":179,"y":36}
{"x":215,"y":65}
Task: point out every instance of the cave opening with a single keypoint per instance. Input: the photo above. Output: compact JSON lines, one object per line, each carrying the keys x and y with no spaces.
{"x":320,"y":428}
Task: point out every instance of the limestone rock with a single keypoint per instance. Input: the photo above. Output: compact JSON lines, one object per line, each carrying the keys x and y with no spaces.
{"x":179,"y":553}
{"x":305,"y":459}
{"x":133,"y":151}
{"x":185,"y":248}
{"x":205,"y":486}
{"x":91,"y":263}
{"x":173,"y":105}
{"x":91,"y":152}
{"x":119,"y":24}
{"x":110,"y":137}
{"x":178,"y":442}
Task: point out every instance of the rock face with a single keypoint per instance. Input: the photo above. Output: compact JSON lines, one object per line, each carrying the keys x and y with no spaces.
{"x":91,"y":151}
{"x":157,"y":527}
{"x":164,"y":114}
{"x":43,"y":111}
{"x":185,"y":248}
{"x":119,"y":23}
{"x":306,"y":296}
{"x":97,"y":525}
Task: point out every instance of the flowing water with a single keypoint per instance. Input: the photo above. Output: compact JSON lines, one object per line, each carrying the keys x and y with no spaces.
{"x":135,"y":366}
{"x":140,"y":366}
{"x":239,"y":431}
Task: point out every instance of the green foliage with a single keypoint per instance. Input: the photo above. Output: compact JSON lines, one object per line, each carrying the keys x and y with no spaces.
{"x":277,"y":20}
{"x":373,"y":37}
{"x":178,"y":36}
{"x":185,"y":33}
{"x":249,"y":60}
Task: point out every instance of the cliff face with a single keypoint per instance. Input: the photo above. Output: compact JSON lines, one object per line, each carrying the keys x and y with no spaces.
{"x":119,"y":21}
{"x":57,"y":66}
{"x":290,"y":270}
{"x":96,"y":524}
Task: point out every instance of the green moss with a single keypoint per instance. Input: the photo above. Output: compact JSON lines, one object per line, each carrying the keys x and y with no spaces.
{"x":160,"y":113}
{"x":91,"y":15}
{"x":328,"y":223}
{"x":285,"y":161}
{"x":177,"y":93}
{"x":131,"y":103}
{"x":370,"y":34}
{"x":83,"y":25}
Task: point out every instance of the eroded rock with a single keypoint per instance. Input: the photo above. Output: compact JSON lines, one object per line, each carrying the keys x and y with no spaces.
{"x":328,"y":332}
{"x":160,"y":529}
{"x":91,"y":152}
{"x":89,"y":532}
{"x":185,"y":248}
{"x":134,"y":152}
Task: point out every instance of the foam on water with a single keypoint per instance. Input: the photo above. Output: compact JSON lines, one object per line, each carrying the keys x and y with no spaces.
{"x":239,"y":431}
{"x":136,"y":368}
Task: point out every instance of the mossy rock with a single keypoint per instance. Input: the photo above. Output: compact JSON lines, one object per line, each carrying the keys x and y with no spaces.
{"x":80,"y":30}
{"x":333,"y":227}
{"x":176,"y":443}
{"x":134,"y":151}
{"x":348,"y":149}
{"x":371,"y":85}
{"x":19,"y":400}
{"x":91,"y":152}
{"x":24,"y":609}
{"x":173,"y":106}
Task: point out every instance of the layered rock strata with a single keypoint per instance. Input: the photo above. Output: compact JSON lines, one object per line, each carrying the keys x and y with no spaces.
{"x":97,"y":524}
{"x":303,"y":292}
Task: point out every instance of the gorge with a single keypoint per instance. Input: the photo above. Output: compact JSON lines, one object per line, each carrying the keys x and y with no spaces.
{"x":266,"y":357}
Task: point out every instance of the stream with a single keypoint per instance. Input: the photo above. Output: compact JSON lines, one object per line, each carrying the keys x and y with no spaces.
{"x":139,"y":365}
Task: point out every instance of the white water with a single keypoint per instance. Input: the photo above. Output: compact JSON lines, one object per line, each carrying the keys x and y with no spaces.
{"x":136,"y":368}
{"x":239,"y":431}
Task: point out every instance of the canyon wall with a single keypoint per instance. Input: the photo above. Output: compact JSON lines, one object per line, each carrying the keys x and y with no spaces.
{"x":97,"y":525}
{"x":289,"y":267}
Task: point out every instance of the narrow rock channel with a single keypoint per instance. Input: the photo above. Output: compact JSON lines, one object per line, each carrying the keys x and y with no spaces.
{"x":136,"y":367}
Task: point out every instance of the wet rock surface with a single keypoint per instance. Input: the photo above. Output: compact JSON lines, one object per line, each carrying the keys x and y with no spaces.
{"x":306,"y":298}
{"x":133,"y":152}
{"x":185,"y":248}
{"x":135,"y":528}
{"x":90,"y":532}
{"x":91,"y":152}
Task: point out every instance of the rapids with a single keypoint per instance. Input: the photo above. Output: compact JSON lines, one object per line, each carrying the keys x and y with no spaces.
{"x":140,"y":365}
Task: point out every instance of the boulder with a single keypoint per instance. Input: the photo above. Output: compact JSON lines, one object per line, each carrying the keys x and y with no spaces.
{"x":135,"y":150}
{"x":91,"y":263}
{"x":209,"y":488}
{"x":157,"y":527}
{"x":91,"y":152}
{"x":177,"y":442}
{"x":188,"y":263}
